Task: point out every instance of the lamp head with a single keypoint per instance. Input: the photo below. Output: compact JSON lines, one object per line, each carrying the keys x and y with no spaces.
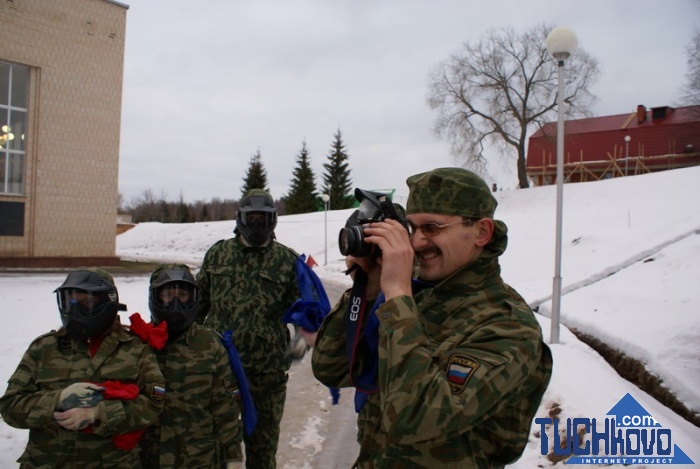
{"x":561,"y":43}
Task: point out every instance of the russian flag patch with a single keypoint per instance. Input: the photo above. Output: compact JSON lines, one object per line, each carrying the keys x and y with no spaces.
{"x":158,"y":393}
{"x":459,"y":370}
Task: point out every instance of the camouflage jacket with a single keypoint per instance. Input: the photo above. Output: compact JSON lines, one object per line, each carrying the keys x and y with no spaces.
{"x":199,"y":426}
{"x":247,"y":290}
{"x":462,"y":370}
{"x":51,"y":363}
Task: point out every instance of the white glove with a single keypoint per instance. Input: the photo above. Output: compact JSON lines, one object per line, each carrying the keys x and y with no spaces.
{"x":80,"y":395}
{"x":76,"y":418}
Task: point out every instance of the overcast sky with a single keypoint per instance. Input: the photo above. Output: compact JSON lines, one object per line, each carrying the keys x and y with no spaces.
{"x":208,"y":84}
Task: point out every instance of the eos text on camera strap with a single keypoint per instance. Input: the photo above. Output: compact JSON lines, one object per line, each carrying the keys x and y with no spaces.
{"x":361,"y":337}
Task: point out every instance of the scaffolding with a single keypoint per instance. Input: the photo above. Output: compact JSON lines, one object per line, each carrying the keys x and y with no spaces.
{"x":615,"y":165}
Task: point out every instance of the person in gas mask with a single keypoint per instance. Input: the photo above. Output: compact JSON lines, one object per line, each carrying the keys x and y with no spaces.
{"x":87,"y":391}
{"x":247,"y":283}
{"x":200,"y":425}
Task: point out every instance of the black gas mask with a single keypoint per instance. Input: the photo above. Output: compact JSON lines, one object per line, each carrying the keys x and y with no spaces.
{"x":88,"y":303}
{"x":173,"y":297}
{"x":256,"y":219}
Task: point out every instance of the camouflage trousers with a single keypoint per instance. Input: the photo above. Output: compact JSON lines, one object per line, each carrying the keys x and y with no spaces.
{"x":269,"y":392}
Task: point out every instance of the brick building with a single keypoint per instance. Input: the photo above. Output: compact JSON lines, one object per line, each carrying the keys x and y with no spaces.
{"x":61,"y":69}
{"x":646,"y":140}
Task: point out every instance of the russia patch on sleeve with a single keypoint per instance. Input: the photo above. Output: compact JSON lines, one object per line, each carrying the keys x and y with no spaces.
{"x":459,"y":370}
{"x":158,"y":392}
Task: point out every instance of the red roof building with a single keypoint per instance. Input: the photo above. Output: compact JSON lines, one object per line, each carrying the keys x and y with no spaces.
{"x":647,"y":140}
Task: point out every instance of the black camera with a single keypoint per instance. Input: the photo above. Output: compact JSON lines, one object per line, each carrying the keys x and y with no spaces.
{"x":374,"y":207}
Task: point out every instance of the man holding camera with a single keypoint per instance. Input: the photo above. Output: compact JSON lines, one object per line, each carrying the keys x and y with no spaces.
{"x":449,"y":367}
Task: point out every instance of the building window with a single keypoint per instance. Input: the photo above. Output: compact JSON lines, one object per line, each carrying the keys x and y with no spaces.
{"x":14,"y":86}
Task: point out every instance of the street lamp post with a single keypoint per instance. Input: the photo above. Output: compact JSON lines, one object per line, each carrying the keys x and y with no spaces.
{"x":561,"y":42}
{"x":326,"y":198}
{"x":627,"y":152}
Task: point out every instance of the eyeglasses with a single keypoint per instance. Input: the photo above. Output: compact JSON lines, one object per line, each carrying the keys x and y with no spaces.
{"x":430,"y":230}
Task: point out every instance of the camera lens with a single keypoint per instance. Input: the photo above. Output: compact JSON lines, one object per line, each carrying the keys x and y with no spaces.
{"x":348,"y":240}
{"x":351,"y":242}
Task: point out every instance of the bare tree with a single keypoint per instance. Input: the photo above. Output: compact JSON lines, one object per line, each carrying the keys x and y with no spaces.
{"x":143,"y":206}
{"x":500,"y":89}
{"x":691,"y":89}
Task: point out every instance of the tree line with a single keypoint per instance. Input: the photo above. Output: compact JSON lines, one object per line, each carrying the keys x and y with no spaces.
{"x":493,"y":92}
{"x":302,"y":197}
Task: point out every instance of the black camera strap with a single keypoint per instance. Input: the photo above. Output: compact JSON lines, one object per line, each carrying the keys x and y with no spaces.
{"x":361,"y":343}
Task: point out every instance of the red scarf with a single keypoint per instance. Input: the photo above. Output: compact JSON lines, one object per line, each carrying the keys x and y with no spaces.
{"x":155,"y":336}
{"x":121,"y":391}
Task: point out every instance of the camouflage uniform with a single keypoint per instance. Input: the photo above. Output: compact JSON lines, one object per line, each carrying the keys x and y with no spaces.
{"x":247,"y":290}
{"x":54,"y":362}
{"x":462,"y":364}
{"x":201,"y":413}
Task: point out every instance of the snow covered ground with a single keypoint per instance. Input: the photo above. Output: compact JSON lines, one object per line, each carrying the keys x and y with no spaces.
{"x":630,"y":269}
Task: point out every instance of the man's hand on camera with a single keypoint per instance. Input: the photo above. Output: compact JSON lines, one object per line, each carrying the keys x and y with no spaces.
{"x":397,"y":256}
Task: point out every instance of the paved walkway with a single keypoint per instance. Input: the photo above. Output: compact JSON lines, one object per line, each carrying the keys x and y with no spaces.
{"x":314,"y":433}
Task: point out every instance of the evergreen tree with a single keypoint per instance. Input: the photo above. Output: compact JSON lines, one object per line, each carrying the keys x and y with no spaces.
{"x":182,"y":214}
{"x":255,"y":176}
{"x":302,"y":197}
{"x":336,"y":177}
{"x":164,"y":211}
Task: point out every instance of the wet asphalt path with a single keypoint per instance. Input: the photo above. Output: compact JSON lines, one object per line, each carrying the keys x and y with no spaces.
{"x":315,"y":434}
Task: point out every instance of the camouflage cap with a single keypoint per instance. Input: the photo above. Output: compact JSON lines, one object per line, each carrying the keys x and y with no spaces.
{"x":450,"y":191}
{"x":260,"y":193}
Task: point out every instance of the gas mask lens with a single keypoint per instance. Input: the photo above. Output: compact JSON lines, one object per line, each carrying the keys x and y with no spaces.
{"x":260,"y":220}
{"x":184,"y":293}
{"x":88,"y":303}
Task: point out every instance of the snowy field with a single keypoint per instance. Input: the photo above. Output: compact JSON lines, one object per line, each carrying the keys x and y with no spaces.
{"x":630,"y":269}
